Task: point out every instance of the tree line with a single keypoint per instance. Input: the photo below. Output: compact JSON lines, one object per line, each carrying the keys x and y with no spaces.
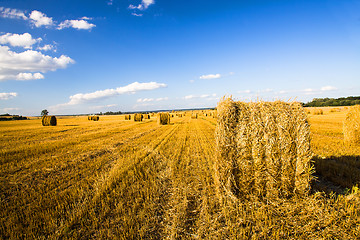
{"x":328,"y":102}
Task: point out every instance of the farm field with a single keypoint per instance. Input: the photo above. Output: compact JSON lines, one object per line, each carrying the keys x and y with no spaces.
{"x":119,"y":179}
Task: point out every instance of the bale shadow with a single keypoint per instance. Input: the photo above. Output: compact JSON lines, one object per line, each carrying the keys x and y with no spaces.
{"x":336,"y":174}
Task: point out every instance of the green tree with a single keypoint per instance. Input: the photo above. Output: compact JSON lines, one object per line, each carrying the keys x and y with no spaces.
{"x":44,"y":112}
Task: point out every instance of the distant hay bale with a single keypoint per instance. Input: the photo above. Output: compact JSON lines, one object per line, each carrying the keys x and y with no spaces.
{"x":49,"y":121}
{"x":163,"y":118}
{"x":93,"y":118}
{"x":318,"y":111}
{"x":194,"y":115}
{"x":128,"y":117}
{"x":146,"y":116}
{"x":263,"y":149}
{"x":138,"y":117}
{"x":351,"y":128}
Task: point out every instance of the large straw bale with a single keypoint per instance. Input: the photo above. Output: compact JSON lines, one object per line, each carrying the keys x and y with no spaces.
{"x":163,"y":118}
{"x":48,"y":121}
{"x":128,"y":117}
{"x":263,"y":149}
{"x":138,"y":117}
{"x":351,"y":126}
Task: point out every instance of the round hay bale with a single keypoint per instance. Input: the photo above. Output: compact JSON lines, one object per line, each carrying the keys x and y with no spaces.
{"x":163,"y":118}
{"x":138,"y":117}
{"x":351,"y":127}
{"x":318,"y":111}
{"x":263,"y":149}
{"x":128,"y":117}
{"x":93,"y":118}
{"x":194,"y":116}
{"x":49,"y":121}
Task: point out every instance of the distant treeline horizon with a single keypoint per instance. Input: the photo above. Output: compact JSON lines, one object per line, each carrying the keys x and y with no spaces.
{"x":333,"y":102}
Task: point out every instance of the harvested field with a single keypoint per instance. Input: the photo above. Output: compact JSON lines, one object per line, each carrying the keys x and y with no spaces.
{"x":149,"y":181}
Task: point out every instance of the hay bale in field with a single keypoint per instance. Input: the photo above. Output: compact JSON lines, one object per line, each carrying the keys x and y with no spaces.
{"x":128,"y":117}
{"x":138,"y":117}
{"x":263,"y":149}
{"x":48,"y":121}
{"x":93,"y":118}
{"x":163,"y":118}
{"x":351,"y":128}
{"x":146,"y":116}
{"x":318,"y":111}
{"x":194,"y":115}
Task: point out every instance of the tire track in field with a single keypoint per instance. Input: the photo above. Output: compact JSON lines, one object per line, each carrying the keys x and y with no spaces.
{"x":106,"y":182}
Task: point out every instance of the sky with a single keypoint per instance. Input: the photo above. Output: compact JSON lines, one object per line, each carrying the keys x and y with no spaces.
{"x":81,"y":56}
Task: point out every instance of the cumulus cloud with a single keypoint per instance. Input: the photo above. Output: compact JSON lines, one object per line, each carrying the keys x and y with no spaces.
{"x":40,"y":19}
{"x":47,"y":47}
{"x":19,"y":40}
{"x":12,"y":13}
{"x":101,"y":94}
{"x":13,"y":63}
{"x":209,"y":96}
{"x":143,"y":5}
{"x":77,"y":24}
{"x":29,"y":76}
{"x":6,"y":96}
{"x":210,"y":76}
{"x":143,"y":100}
{"x":328,"y":88}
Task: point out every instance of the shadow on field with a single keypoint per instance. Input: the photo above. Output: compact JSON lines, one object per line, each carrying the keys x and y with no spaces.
{"x":336,"y":174}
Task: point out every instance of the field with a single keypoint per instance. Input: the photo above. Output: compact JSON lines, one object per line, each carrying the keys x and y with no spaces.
{"x":119,"y":179}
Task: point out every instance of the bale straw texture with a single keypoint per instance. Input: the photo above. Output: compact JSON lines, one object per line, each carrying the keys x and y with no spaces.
{"x":263,"y":149}
{"x":138,"y":117}
{"x":128,"y":117}
{"x":163,"y":118}
{"x":48,"y":121}
{"x":351,"y":127}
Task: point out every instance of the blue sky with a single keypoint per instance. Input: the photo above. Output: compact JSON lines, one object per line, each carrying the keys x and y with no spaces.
{"x":137,"y":55}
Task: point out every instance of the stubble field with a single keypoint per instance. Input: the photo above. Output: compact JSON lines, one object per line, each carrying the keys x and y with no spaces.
{"x":118,"y":179}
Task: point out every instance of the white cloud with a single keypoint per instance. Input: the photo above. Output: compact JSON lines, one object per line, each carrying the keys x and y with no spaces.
{"x":142,"y":100}
{"x":189,"y":97}
{"x":245,"y":91}
{"x":47,"y":47}
{"x":6,"y":96}
{"x":12,"y":13}
{"x":19,"y":40}
{"x":10,"y":110}
{"x":145,"y":100}
{"x":208,"y":96}
{"x":104,"y":106}
{"x":110,"y":2}
{"x":131,"y":88}
{"x":77,"y":24}
{"x":29,"y":76}
{"x":13,"y":63}
{"x":328,"y":88}
{"x":40,"y":19}
{"x":210,"y":76}
{"x":137,"y":14}
{"x":143,"y":5}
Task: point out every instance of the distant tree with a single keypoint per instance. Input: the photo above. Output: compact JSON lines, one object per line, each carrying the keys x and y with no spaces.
{"x":44,"y":112}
